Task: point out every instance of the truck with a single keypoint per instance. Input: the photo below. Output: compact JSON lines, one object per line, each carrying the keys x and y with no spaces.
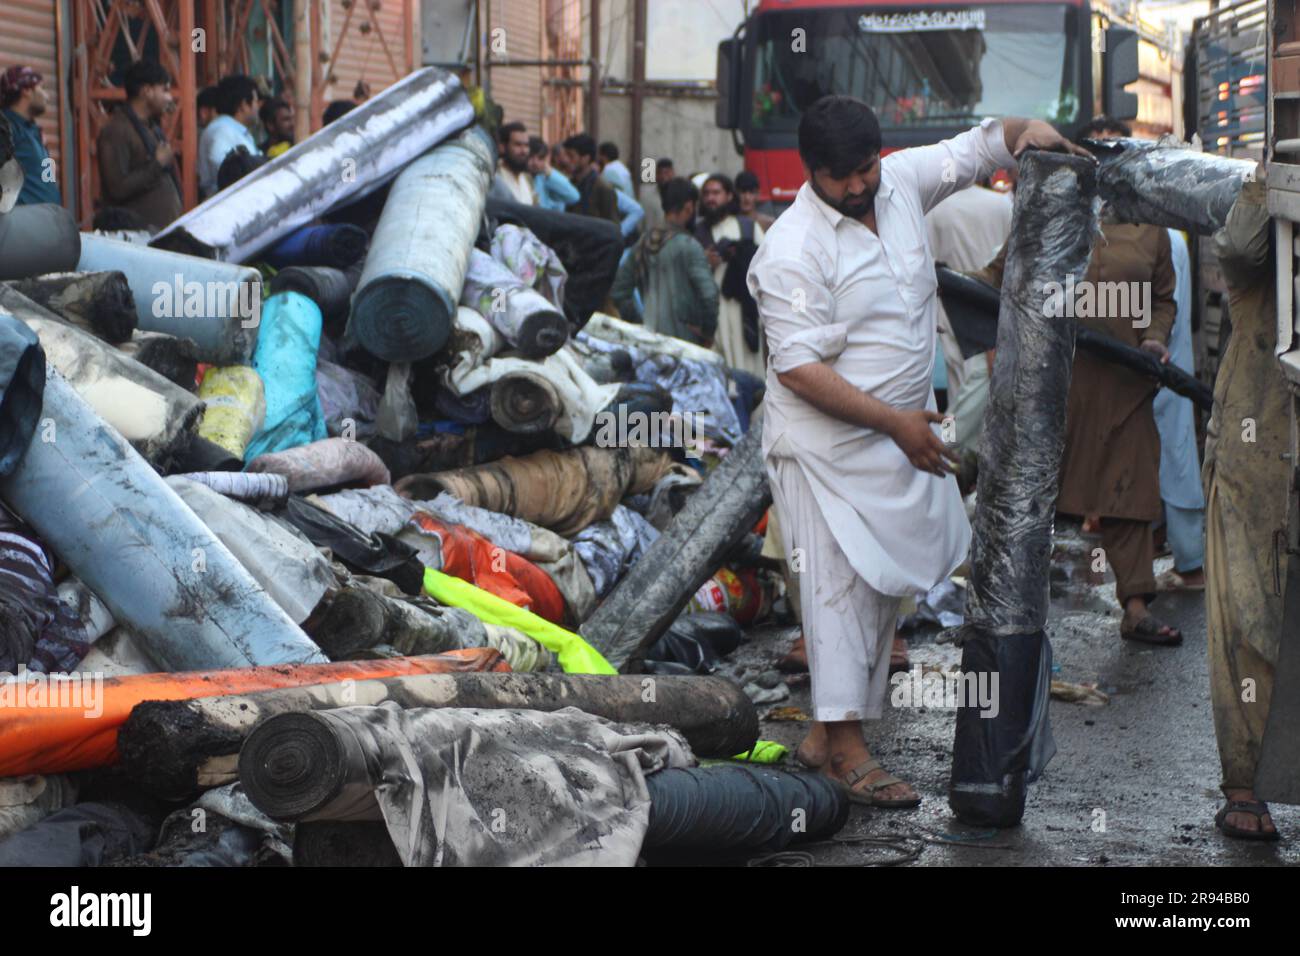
{"x":931,"y":70}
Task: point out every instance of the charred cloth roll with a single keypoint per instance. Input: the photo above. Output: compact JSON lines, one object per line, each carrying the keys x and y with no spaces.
{"x":522,"y":315}
{"x":99,"y":302}
{"x":178,"y":746}
{"x":373,"y":142}
{"x":407,"y":296}
{"x":996,"y":757}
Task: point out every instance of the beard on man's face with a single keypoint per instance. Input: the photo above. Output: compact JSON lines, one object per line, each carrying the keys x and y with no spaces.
{"x":855,"y":207}
{"x":715,"y":214}
{"x":515,"y":165}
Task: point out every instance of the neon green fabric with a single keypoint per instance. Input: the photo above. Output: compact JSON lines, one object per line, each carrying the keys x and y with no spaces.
{"x":574,"y":654}
{"x":765,"y":751}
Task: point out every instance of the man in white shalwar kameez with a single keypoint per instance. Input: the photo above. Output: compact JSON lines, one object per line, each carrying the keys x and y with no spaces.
{"x":861,"y":481}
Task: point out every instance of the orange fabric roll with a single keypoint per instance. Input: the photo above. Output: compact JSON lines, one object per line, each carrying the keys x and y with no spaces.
{"x":53,"y":726}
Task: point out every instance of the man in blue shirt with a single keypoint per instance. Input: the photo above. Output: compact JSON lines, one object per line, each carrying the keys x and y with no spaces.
{"x":552,"y":186}
{"x":615,"y":173}
{"x":23,"y":99}
{"x":238,"y":101}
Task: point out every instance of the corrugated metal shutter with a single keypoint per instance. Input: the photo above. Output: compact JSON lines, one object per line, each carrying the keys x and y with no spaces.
{"x":28,"y":36}
{"x":519,"y":88}
{"x":362,"y":56}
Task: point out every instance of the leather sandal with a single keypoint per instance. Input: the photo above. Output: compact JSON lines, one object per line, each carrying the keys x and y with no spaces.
{"x":1256,"y":808}
{"x":1147,"y":631}
{"x":867,"y":795}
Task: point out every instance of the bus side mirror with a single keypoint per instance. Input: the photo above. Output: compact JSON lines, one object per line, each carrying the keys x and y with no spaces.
{"x":1119,"y":69}
{"x":727,"y":109}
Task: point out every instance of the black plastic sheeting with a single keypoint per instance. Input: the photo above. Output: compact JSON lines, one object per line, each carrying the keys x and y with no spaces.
{"x":88,"y":834}
{"x":1168,"y":185}
{"x":22,"y":387}
{"x":589,"y":248}
{"x":996,"y":753}
{"x":741,"y":808}
{"x":972,"y":309}
{"x":377,"y":554}
{"x":694,"y":644}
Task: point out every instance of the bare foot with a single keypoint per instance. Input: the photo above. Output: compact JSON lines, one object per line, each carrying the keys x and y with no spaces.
{"x":814,"y":751}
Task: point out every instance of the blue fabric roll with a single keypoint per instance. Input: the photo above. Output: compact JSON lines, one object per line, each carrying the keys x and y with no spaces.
{"x":286,"y":360}
{"x":337,"y":246}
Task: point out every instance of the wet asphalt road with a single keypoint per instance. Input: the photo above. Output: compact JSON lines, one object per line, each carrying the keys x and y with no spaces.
{"x":1134,"y":781}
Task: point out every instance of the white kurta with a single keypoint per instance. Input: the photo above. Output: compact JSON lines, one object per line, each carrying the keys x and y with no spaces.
{"x":730,"y":337}
{"x":829,"y":290}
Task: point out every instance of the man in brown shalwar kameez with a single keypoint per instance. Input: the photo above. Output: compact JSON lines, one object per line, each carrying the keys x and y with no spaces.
{"x":1111,"y":465}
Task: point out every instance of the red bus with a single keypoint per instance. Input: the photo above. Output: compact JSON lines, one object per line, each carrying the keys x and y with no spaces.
{"x":929,"y":70}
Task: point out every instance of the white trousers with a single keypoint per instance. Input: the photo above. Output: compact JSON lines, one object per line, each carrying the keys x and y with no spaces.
{"x":848,"y":626}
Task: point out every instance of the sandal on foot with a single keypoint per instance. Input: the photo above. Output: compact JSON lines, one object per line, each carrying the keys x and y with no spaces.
{"x":867,"y":795}
{"x":1147,"y":631}
{"x":1256,"y":808}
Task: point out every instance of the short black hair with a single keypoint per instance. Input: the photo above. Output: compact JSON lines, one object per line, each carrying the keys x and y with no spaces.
{"x":207,"y":98}
{"x":537,"y":146}
{"x":746,"y":181}
{"x":272,"y":106}
{"x":1104,"y":124}
{"x":234,"y":91}
{"x":838,"y":134}
{"x":144,"y":73}
{"x":662,"y":162}
{"x":336,"y":109}
{"x":113,"y":218}
{"x":582,"y":144}
{"x":676,"y":193}
{"x":608,"y":152}
{"x":509,"y":129}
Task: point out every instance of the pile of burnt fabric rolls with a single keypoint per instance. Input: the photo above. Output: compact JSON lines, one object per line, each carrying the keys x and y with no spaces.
{"x":365,"y":451}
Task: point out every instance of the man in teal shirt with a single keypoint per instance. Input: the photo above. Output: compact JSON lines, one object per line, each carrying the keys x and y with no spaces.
{"x":23,"y":99}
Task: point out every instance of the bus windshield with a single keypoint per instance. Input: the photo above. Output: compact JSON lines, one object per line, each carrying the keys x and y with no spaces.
{"x":919,"y":67}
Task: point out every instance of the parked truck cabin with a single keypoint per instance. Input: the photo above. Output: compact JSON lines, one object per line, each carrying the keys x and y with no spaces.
{"x":929,"y":70}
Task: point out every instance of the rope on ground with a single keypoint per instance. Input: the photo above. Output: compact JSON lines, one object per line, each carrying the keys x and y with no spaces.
{"x":906,"y":849}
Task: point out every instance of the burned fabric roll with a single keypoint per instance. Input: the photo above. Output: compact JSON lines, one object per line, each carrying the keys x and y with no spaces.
{"x":561,"y":490}
{"x":134,"y":543}
{"x":441,"y":772}
{"x":372,"y":142}
{"x":588,"y":248}
{"x":174,"y":359}
{"x":22,"y":384}
{"x":650,"y":596}
{"x":175,"y":747}
{"x":336,"y":247}
{"x":98,"y":302}
{"x":38,"y":239}
{"x":216,"y":305}
{"x":157,"y":417}
{"x":408,"y":291}
{"x":327,"y":287}
{"x":741,"y":808}
{"x":521,"y":314}
{"x":995,"y":757}
{"x":1168,"y":184}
